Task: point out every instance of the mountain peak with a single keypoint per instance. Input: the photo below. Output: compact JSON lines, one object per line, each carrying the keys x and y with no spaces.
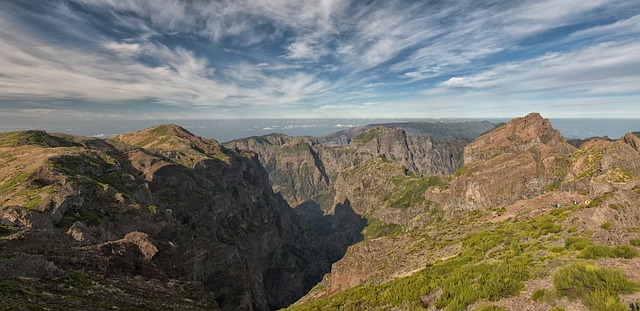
{"x":517,"y":160}
{"x":164,"y":136}
{"x":518,"y":134}
{"x":173,"y":140}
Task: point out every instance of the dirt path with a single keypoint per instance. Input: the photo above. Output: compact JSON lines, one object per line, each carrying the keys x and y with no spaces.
{"x":537,"y":204}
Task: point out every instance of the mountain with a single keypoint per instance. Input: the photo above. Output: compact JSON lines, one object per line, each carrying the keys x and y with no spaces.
{"x":518,"y":160}
{"x":378,"y":218}
{"x":305,"y":169}
{"x":486,"y":237}
{"x":439,"y":131}
{"x":162,"y":204}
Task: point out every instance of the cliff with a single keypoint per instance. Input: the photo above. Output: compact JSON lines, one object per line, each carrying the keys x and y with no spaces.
{"x":163,"y":204}
{"x":518,"y":160}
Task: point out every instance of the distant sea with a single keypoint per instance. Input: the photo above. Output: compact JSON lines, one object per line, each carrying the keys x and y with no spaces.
{"x":226,"y":130}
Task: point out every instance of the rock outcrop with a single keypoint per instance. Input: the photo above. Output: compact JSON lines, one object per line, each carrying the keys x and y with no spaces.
{"x":518,"y":160}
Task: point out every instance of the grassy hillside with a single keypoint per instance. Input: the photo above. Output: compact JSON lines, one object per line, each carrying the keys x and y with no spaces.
{"x":540,"y":255}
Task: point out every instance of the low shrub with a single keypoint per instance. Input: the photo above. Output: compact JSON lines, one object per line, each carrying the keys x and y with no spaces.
{"x":596,"y":288}
{"x":576,"y":242}
{"x":601,"y":251}
{"x":489,"y":307}
{"x":543,"y":295}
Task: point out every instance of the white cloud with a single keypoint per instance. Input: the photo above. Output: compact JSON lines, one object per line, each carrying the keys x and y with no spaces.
{"x":316,"y":54}
{"x":590,"y":71}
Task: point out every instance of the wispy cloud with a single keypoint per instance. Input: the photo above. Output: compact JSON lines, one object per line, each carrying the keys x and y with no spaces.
{"x":594,"y":70}
{"x":327,"y":57}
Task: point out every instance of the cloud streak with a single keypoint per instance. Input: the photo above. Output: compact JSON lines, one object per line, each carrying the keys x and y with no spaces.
{"x":326,"y":57}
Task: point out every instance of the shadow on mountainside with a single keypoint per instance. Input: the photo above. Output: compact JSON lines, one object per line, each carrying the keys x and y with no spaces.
{"x":338,"y":230}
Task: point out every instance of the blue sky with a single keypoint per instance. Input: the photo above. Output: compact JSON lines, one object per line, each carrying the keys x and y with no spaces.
{"x":180,"y":59}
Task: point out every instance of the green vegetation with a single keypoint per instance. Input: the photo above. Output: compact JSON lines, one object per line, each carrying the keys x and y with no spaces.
{"x":93,"y":169}
{"x":597,"y":201}
{"x":409,"y":191}
{"x":606,"y":225}
{"x":465,"y":171}
{"x":491,"y":264}
{"x":376,"y":228}
{"x":576,"y":242}
{"x":88,"y":216}
{"x":10,"y":185}
{"x":21,"y":138}
{"x":544,"y":295}
{"x":79,"y":291}
{"x":615,"y":206}
{"x":153,"y":209}
{"x":603,"y":251}
{"x":590,"y":156}
{"x":294,"y":148}
{"x":538,"y":294}
{"x":368,"y":135}
{"x":635,"y":242}
{"x":596,"y":288}
{"x":557,"y":308}
{"x":618,"y":175}
{"x":489,"y":307}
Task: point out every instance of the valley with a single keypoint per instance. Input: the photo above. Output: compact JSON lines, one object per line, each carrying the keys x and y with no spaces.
{"x":398,"y":216}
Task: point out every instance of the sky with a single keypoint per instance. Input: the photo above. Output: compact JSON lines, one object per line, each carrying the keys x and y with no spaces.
{"x":259,"y":59}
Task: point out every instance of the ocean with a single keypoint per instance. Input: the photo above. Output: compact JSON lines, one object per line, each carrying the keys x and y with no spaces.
{"x":226,"y":130}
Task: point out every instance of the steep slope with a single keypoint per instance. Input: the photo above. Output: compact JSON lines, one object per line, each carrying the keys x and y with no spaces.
{"x":513,"y":250}
{"x":601,"y":166}
{"x":518,"y":160}
{"x":304,"y":169}
{"x":161,"y":203}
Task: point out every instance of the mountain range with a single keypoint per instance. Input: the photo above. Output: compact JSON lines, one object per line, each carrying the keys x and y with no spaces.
{"x":402,"y":216}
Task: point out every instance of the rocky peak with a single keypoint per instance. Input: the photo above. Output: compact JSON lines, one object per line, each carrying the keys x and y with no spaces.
{"x":517,"y":160}
{"x":516,"y":135}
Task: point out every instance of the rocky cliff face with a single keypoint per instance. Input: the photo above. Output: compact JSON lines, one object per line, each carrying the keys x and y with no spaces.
{"x":386,"y":179}
{"x":518,"y":160}
{"x":165,"y":204}
{"x":305,"y":168}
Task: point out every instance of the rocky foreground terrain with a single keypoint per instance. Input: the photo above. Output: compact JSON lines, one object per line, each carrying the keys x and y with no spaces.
{"x":166,"y":218}
{"x":390,"y":217}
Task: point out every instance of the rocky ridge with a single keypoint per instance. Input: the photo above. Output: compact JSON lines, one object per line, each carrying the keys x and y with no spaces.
{"x":482,"y":237}
{"x":509,"y":178}
{"x":163,"y":204}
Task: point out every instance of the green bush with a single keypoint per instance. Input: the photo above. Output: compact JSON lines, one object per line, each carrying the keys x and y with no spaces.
{"x":576,"y":242}
{"x":544,"y":295}
{"x":557,"y":308}
{"x":603,"y":300}
{"x":635,"y":242}
{"x":601,"y":251}
{"x":489,"y":307}
{"x":626,"y":251}
{"x":538,"y":294}
{"x":596,"y":288}
{"x":153,"y":209}
{"x":606,"y":226}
